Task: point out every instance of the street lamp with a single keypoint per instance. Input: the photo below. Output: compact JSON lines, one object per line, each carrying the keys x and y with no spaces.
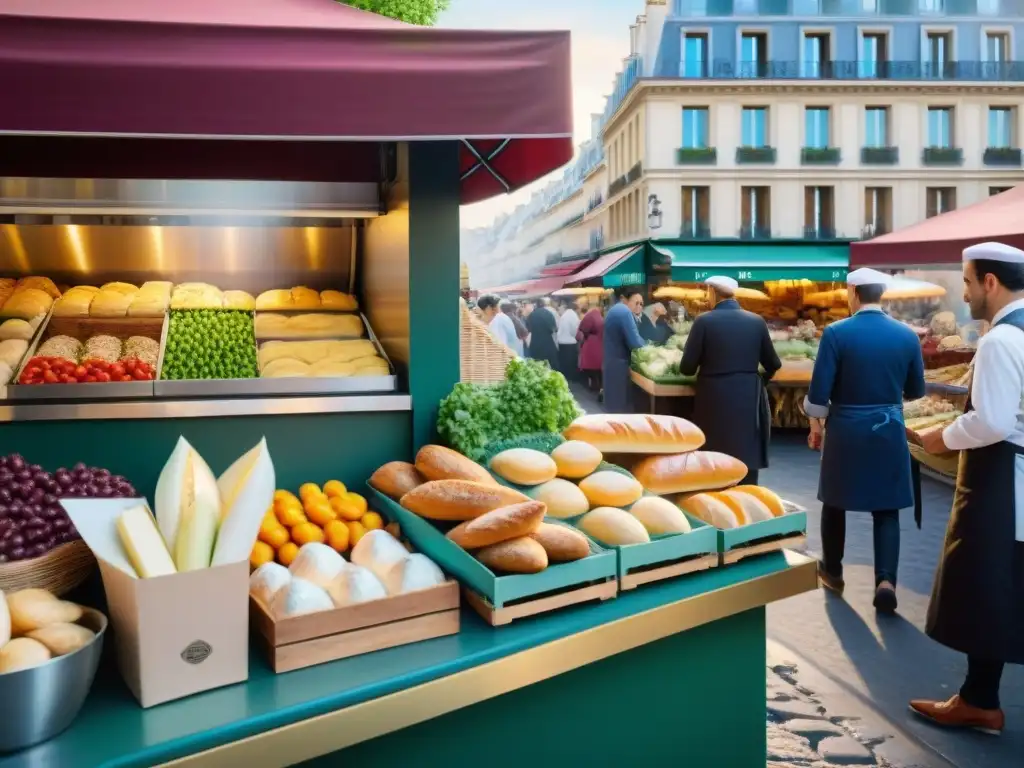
{"x":653,"y":212}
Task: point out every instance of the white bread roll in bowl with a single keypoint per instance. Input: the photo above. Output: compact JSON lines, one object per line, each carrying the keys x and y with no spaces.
{"x":524,"y":466}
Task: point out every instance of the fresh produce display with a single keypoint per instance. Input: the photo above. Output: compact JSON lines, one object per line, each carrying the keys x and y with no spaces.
{"x":32,"y":521}
{"x":532,"y":399}
{"x":60,"y":370}
{"x":36,"y":626}
{"x":330,"y":515}
{"x":957,"y":375}
{"x":930,"y":405}
{"x":210,"y":344}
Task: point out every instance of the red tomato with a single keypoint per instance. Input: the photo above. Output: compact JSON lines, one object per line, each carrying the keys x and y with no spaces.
{"x":80,"y":371}
{"x":126,"y":377}
{"x":103,"y":377}
{"x":67,"y":379}
{"x":116,"y":371}
{"x":140,"y":375}
{"x":90,"y":379}
{"x":129,"y":364}
{"x":50,"y":377}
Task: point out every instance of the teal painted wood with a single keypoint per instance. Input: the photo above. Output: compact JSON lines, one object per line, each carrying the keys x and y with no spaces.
{"x":433,"y":280}
{"x":307,"y":448}
{"x":112,"y":731}
{"x":499,"y":590}
{"x":692,"y":699}
{"x":789,"y":523}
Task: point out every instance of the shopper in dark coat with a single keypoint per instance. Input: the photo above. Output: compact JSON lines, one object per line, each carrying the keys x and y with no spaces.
{"x":543,"y":324}
{"x":724,"y":349}
{"x":621,"y":337}
{"x":591,"y":339}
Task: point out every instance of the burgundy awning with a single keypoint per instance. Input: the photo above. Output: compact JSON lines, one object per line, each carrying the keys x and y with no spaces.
{"x":942,"y":239}
{"x":565,"y":268}
{"x":603,"y":265}
{"x":287,"y":69}
{"x":542,"y":286}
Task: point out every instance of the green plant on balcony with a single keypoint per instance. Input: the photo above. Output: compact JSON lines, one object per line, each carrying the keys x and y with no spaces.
{"x":880,"y":155}
{"x":942,"y":156}
{"x":696,"y":156}
{"x":820,"y":156}
{"x":746,"y":155}
{"x":1006,"y":156}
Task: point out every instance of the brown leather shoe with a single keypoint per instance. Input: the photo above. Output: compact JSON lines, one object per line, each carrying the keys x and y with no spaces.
{"x":956,"y":713}
{"x":834,"y":584}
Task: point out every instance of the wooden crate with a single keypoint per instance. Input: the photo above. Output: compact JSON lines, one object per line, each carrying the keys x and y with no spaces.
{"x":532,"y":606}
{"x":786,"y":532}
{"x":316,"y":638}
{"x":764,"y":546}
{"x":659,"y":571}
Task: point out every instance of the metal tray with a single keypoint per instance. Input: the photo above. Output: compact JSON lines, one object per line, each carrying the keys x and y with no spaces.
{"x":115,"y":390}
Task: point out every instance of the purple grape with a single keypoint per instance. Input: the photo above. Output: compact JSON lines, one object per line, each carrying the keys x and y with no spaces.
{"x":103,"y":474}
{"x":61,"y":524}
{"x":3,"y":557}
{"x":106,"y":492}
{"x":5,"y":495}
{"x":18,"y":553}
{"x":6,"y":476}
{"x":35,"y":522}
{"x":52,"y":486}
{"x":34,"y":535}
{"x":39,"y":549}
{"x":25,"y":489}
{"x":5,"y":525}
{"x":74,"y":491}
{"x":49,"y":500}
{"x":83,"y":476}
{"x":16,"y":462}
{"x":91,"y":490}
{"x":35,"y":510}
{"x":35,"y":468}
{"x":36,"y":496}
{"x":17,"y":540}
{"x":79,"y":467}
{"x":66,"y":480}
{"x":118,"y":479}
{"x":64,"y":536}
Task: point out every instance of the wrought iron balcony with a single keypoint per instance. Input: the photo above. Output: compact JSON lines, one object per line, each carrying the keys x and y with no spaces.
{"x":820,"y":232}
{"x":694,"y":230}
{"x":1009,"y":157}
{"x":625,"y":179}
{"x":755,"y":231}
{"x":776,"y":69}
{"x":880,"y":155}
{"x":820,"y":156}
{"x":634,"y":173}
{"x":752,"y":155}
{"x":942,"y":156}
{"x":696,"y":156}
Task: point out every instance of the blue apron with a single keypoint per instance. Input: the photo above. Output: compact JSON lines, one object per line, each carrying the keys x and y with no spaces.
{"x":865,"y":462}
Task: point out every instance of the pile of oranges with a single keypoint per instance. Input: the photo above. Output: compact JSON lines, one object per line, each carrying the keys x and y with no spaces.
{"x":331,"y":515}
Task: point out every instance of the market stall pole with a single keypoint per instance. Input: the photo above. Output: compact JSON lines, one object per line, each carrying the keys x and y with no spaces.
{"x":351,"y":141}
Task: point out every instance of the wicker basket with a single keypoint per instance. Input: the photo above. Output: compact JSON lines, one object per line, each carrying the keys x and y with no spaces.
{"x":58,"y":571}
{"x":483,"y":358}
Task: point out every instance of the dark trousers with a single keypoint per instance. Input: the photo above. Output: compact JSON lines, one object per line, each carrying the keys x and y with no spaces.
{"x":886,"y":538}
{"x":593,"y":380}
{"x":568,"y":359}
{"x":981,"y":688}
{"x":751,"y":478}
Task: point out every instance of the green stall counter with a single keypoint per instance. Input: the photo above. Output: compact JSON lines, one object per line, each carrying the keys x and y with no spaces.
{"x":666,"y":675}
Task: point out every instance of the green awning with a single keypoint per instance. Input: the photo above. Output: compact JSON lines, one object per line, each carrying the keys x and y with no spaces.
{"x":756,"y":262}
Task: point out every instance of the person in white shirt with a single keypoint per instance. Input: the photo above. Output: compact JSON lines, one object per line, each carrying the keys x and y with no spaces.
{"x":977,"y":603}
{"x":499,"y":324}
{"x":568,"y":348}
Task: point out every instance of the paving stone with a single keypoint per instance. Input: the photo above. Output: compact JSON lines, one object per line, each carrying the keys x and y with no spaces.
{"x":845,"y":750}
{"x":794,"y":710}
{"x":788,"y":747}
{"x":813,"y":729}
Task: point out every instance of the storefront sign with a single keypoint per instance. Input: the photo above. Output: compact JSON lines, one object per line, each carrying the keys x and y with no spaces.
{"x":624,"y":278}
{"x":819,"y":274}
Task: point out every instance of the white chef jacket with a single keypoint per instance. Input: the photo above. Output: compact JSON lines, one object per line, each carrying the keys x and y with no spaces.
{"x":997,"y":396}
{"x":568,"y":324}
{"x":504,"y":330}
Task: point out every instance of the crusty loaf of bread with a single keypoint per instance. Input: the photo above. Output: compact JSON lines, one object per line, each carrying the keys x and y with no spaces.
{"x":396,"y":478}
{"x":458,"y":499}
{"x":435,"y":462}
{"x":524,"y":466}
{"x":562,"y":543}
{"x":522,"y":555}
{"x":636,"y":433}
{"x":689,"y":472}
{"x":499,"y":525}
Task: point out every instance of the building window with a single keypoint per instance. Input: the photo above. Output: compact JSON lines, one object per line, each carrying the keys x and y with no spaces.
{"x":877,"y":211}
{"x":806,"y":7}
{"x":869,"y":6}
{"x":873,"y":54}
{"x":816,"y":128}
{"x":998,"y":190}
{"x":695,"y":55}
{"x":754,"y":54}
{"x":1000,"y":127}
{"x":876,"y":127}
{"x":988,"y":7}
{"x":755,"y":212}
{"x":755,"y":127}
{"x":744,"y":7}
{"x":695,"y":128}
{"x":819,"y":212}
{"x":939,"y":200}
{"x":940,"y":127}
{"x":930,"y":6}
{"x":817,"y":57}
{"x":937,"y":54}
{"x":696,"y":212}
{"x":996,"y":56}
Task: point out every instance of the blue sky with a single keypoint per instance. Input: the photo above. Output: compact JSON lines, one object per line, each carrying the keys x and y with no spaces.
{"x":600,"y":40}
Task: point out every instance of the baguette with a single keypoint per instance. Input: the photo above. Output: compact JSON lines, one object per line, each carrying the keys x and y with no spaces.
{"x":562,"y":543}
{"x":396,"y":478}
{"x":499,"y":525}
{"x":636,"y":433}
{"x":435,"y":462}
{"x":689,"y":472}
{"x":522,"y":555}
{"x":458,"y":499}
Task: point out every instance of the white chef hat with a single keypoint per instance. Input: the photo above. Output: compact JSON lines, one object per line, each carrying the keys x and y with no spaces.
{"x":994,"y":252}
{"x":723,"y":284}
{"x":867,"y":276}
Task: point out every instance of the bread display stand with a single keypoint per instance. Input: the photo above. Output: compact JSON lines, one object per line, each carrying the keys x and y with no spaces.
{"x":786,"y":532}
{"x":503,"y":599}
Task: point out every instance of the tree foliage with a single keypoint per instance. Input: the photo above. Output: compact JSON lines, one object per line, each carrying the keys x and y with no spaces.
{"x":422,"y":12}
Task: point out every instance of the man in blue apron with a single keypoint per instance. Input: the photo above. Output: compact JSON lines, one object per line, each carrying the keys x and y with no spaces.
{"x":977,"y":604}
{"x":866,"y":366}
{"x":621,"y":337}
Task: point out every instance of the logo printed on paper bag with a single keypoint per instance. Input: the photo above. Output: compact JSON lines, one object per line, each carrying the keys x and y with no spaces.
{"x":197,"y":652}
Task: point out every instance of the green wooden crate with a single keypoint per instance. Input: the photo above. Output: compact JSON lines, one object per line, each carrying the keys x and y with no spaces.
{"x":761,"y":537}
{"x":499,"y":591}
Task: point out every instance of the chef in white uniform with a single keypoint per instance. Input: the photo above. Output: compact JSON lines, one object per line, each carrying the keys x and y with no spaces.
{"x":977,"y":604}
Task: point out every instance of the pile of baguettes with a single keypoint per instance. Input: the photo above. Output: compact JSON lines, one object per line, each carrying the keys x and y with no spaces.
{"x":662,"y":453}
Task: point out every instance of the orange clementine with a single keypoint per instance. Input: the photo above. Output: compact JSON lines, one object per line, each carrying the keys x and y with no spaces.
{"x":304,"y":533}
{"x":345,"y":509}
{"x":319,"y":510}
{"x":289,"y":514}
{"x":337,"y":535}
{"x":356,"y":531}
{"x":273,"y":533}
{"x":261,"y":553}
{"x":357,"y":501}
{"x":372,"y":521}
{"x":307,"y":490}
{"x":286,"y":553}
{"x":334,"y":488}
{"x":281,"y":495}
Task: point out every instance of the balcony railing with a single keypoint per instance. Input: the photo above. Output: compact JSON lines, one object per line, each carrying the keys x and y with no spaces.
{"x":942,"y":156}
{"x":752,"y":155}
{"x":819,"y":232}
{"x":625,"y":179}
{"x":880,"y":155}
{"x":696,"y":156}
{"x":755,"y":232}
{"x":1008,"y":157}
{"x":820,"y":156}
{"x":634,"y":173}
{"x":775,"y":69}
{"x":694,"y":230}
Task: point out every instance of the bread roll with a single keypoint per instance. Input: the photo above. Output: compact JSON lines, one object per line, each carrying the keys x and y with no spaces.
{"x":74,"y":303}
{"x":126,"y":289}
{"x":576,"y":459}
{"x":285,"y":367}
{"x":356,"y":585}
{"x":613,"y":527}
{"x":11,"y":352}
{"x":320,"y":325}
{"x":318,"y":564}
{"x":563,"y":499}
{"x":524,"y":466}
{"x":338,"y":301}
{"x":16,"y":329}
{"x":239,"y":300}
{"x":499,"y":525}
{"x":412,"y":574}
{"x":151,"y":305}
{"x":304,"y":298}
{"x":38,"y":283}
{"x":6,"y":373}
{"x":522,"y":555}
{"x":660,"y":516}
{"x":435,"y":462}
{"x":636,"y":433}
{"x":27,"y":303}
{"x":769,"y":498}
{"x":378,"y":551}
{"x":62,"y":639}
{"x":34,"y":608}
{"x":754,"y":510}
{"x":267,"y":580}
{"x":609,"y":488}
{"x":110,"y":304}
{"x":276,"y":299}
{"x":561,"y":543}
{"x":458,"y":499}
{"x":157,"y":288}
{"x":331,"y":369}
{"x":689,"y":472}
{"x":269,"y":326}
{"x":23,"y":653}
{"x":396,"y":478}
{"x":714,"y":510}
